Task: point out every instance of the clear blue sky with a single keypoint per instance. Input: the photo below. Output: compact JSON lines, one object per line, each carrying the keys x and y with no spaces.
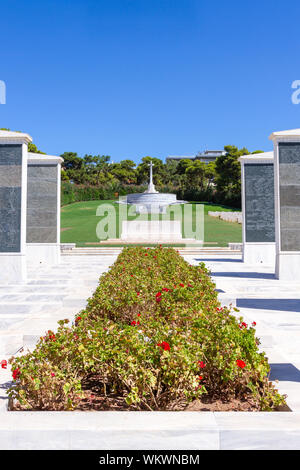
{"x":130,"y":78}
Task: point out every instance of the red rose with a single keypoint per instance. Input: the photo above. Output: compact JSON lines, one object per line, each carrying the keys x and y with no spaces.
{"x":4,"y":364}
{"x":240,"y":363}
{"x":133,"y":323}
{"x":181,"y":285}
{"x":254,"y":323}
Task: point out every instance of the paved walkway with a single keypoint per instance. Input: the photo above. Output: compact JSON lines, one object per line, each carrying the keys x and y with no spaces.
{"x":50,"y":294}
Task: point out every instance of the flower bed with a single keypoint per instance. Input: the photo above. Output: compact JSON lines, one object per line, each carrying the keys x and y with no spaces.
{"x":152,"y":337}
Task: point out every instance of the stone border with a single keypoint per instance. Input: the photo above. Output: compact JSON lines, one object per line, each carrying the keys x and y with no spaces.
{"x":149,"y":430}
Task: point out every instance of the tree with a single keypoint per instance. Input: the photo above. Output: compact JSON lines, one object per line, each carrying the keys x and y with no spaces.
{"x":228,"y":172}
{"x":228,"y":169}
{"x":170,"y":173}
{"x":183,"y":165}
{"x":143,"y":171}
{"x":124,"y":171}
{"x":31,"y":147}
{"x":195,"y":175}
{"x":210,"y":173}
{"x":73,"y":167}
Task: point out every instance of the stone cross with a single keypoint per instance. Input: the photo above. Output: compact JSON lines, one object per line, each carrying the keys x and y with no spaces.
{"x":151,"y":187}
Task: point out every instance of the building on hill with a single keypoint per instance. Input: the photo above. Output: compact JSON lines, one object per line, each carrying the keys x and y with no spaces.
{"x":206,"y":157}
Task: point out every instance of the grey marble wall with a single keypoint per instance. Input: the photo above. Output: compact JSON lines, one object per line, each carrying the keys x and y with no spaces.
{"x":42,"y":204}
{"x":289,"y":194}
{"x":259,"y":202}
{"x":10,"y":198}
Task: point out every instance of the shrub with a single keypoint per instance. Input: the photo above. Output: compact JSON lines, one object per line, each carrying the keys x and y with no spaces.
{"x":154,"y":336}
{"x":75,"y":193}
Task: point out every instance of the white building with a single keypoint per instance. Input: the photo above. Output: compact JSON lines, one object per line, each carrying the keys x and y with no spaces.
{"x":206,"y":157}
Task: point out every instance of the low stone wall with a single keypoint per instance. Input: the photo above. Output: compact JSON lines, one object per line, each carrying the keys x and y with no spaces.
{"x":228,"y":216}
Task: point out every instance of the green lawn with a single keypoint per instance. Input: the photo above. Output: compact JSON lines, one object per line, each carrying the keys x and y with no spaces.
{"x":79,"y":222}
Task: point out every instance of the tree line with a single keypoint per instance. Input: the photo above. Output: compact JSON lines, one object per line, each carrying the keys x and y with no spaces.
{"x":218,"y":181}
{"x":95,"y":176}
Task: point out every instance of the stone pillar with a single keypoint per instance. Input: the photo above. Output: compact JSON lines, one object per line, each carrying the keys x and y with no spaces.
{"x":43,"y":210}
{"x":13,"y":195}
{"x":287,"y":203}
{"x":258,"y":208}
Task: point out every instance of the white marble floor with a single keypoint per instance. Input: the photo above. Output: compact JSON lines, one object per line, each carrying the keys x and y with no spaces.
{"x":50,"y":294}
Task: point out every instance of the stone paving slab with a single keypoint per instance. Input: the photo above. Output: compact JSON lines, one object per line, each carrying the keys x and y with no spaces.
{"x":108,"y":430}
{"x":50,"y":294}
{"x":149,"y":430}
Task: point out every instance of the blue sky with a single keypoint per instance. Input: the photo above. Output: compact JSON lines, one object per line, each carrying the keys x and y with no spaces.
{"x":130,"y":78}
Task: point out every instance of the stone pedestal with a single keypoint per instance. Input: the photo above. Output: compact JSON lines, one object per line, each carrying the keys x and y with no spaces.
{"x":287,"y":203}
{"x":258,"y":208}
{"x":155,"y":231}
{"x":43,"y":210}
{"x":13,"y":195}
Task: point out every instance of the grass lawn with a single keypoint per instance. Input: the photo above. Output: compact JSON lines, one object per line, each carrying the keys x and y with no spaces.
{"x":79,"y":222}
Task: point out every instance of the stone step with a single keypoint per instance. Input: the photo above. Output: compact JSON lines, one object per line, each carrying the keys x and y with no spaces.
{"x":32,"y":298}
{"x":22,"y":309}
{"x":189,"y":251}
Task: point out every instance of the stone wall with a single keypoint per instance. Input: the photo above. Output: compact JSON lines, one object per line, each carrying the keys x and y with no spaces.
{"x":289,"y":193}
{"x":10,"y":198}
{"x":228,"y":216}
{"x":42,"y":204}
{"x":259,"y":202}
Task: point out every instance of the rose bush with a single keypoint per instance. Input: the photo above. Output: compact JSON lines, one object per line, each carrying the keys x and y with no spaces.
{"x":153,"y":335}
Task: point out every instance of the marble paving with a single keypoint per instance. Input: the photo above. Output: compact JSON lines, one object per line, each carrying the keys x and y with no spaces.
{"x":50,"y":294}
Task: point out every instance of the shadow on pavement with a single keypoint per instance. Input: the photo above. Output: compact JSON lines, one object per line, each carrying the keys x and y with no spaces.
{"x":284,"y":372}
{"x":220,"y":260}
{"x":245,"y":275}
{"x":285,"y":305}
